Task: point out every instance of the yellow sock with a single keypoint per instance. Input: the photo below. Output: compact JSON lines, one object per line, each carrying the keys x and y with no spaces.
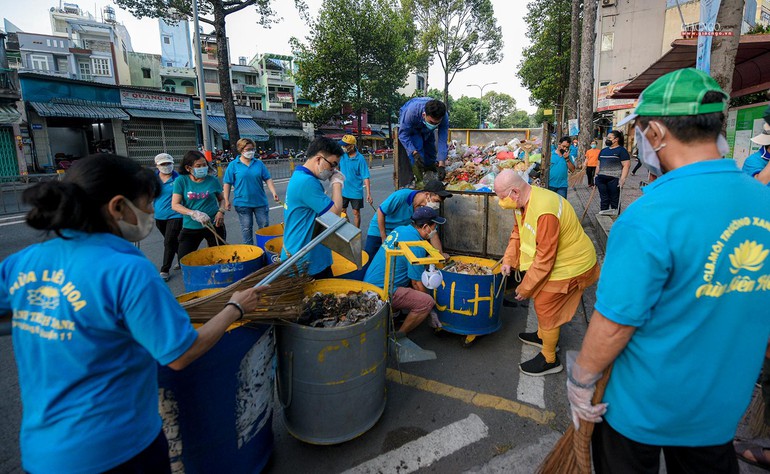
{"x":550,"y":339}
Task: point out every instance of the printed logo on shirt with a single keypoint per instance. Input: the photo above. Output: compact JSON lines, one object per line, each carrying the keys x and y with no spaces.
{"x":191,"y":195}
{"x":47,"y":291}
{"x":391,"y":240}
{"x":747,"y":257}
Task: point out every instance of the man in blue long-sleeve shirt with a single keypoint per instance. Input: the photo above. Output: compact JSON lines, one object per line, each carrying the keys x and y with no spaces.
{"x":422,"y":135}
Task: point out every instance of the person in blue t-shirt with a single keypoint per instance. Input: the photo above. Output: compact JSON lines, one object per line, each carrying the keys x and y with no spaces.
{"x":407,"y":293}
{"x":198,"y":197}
{"x":92,"y":320}
{"x":168,"y":221}
{"x":357,"y":180}
{"x":757,"y":164}
{"x":561,"y":164}
{"x":423,"y":130}
{"x":244,"y":176}
{"x":305,"y":201}
{"x":681,"y":307}
{"x":397,"y":210}
{"x":614,"y":163}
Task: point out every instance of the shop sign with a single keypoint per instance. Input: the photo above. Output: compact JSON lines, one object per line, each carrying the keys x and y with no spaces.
{"x":37,"y":126}
{"x":604,"y":103}
{"x":154,"y":101}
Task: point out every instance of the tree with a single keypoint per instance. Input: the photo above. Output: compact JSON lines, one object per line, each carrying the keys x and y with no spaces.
{"x":501,"y":107}
{"x":460,"y":33}
{"x":439,"y":95}
{"x":588,"y":39}
{"x":518,"y":119}
{"x":544,"y":69}
{"x":574,"y":60}
{"x":464,"y":115}
{"x":724,"y":48}
{"x":358,"y":52}
{"x":473,"y":103}
{"x":214,"y":13}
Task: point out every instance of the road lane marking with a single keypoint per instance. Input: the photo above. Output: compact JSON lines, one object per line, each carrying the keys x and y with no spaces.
{"x":424,"y":451}
{"x":470,"y":397}
{"x":13,"y":223}
{"x":15,"y":216}
{"x":531,"y":389}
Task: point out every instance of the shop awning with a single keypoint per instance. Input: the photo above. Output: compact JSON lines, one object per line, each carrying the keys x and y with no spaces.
{"x":81,"y":110}
{"x":287,"y":132}
{"x":751,"y":73}
{"x":246,"y":126}
{"x":9,"y":114}
{"x":163,"y":114}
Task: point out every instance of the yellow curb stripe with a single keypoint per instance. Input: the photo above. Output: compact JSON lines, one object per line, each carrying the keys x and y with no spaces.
{"x":481,"y":400}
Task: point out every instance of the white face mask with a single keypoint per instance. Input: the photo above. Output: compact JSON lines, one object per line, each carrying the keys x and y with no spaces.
{"x":166,"y":169}
{"x":647,"y":154}
{"x":432,"y":233}
{"x":248,"y":154}
{"x":324,"y":175}
{"x":142,"y":228}
{"x":722,"y":146}
{"x":433,"y":205}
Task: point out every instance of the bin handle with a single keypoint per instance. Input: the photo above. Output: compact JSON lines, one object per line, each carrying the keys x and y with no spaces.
{"x":286,"y":404}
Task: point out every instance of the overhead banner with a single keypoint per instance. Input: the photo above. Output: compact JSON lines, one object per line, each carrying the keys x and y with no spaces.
{"x":154,"y":101}
{"x":706,"y":29}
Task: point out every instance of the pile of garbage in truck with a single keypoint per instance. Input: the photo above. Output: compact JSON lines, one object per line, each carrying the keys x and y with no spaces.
{"x":474,"y":168}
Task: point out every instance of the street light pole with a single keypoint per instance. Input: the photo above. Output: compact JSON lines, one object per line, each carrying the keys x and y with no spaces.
{"x":201,"y":82}
{"x":481,"y":99}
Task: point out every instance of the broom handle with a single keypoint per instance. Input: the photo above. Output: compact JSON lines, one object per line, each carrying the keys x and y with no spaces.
{"x":302,"y":252}
{"x":588,"y":204}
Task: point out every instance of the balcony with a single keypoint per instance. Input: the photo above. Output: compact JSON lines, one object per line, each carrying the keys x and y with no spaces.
{"x":9,"y":85}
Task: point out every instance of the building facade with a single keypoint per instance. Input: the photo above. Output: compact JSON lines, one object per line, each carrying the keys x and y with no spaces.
{"x":275,"y":72}
{"x":145,"y":70}
{"x":175,"y":44}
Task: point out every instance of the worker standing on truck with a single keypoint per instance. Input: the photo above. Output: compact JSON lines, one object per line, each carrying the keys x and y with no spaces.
{"x":397,"y":210}
{"x":687,"y":338}
{"x":548,"y":243}
{"x":423,"y":130}
{"x":306,"y":200}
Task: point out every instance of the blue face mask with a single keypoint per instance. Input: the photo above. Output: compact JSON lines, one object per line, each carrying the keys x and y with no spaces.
{"x":593,"y":145}
{"x":200,"y":172}
{"x":430,"y":126}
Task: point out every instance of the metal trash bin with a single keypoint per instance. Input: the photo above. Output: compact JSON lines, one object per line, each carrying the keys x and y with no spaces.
{"x":331,"y":381}
{"x":200,"y":269}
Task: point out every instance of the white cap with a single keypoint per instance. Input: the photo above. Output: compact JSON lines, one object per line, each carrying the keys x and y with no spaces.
{"x":162,"y":158}
{"x":764,"y":136}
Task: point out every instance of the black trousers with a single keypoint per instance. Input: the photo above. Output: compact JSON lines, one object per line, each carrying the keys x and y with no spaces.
{"x":170,"y":229}
{"x":190,"y":239}
{"x":590,"y":172}
{"x":614,"y":453}
{"x":154,"y":459}
{"x":609,"y":192}
{"x":638,"y":165}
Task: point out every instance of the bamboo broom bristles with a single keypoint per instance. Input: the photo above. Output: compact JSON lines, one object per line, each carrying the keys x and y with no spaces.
{"x":280,"y":300}
{"x":572,"y":453}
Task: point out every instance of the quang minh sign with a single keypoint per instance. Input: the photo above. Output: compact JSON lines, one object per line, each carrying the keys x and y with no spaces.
{"x":154,"y":101}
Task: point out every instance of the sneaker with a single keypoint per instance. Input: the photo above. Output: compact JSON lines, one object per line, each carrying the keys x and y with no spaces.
{"x":177,"y":267}
{"x":538,"y":366}
{"x":608,"y":212}
{"x":165,"y":276}
{"x":532,"y":339}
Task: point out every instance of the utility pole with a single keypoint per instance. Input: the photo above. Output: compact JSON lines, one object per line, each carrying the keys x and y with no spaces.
{"x":481,"y":100}
{"x":201,"y":82}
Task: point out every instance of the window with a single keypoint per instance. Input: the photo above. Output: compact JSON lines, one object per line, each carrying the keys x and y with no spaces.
{"x":166,"y":40}
{"x":251,"y":79}
{"x":210,"y":76}
{"x":85,"y":70}
{"x":607,"y":40}
{"x":189,"y":87}
{"x":169,"y":85}
{"x":146,"y":73}
{"x":169,"y":64}
{"x":235,"y":81}
{"x":101,"y":66}
{"x":39,"y":62}
{"x":62,"y":65}
{"x":48,"y":42}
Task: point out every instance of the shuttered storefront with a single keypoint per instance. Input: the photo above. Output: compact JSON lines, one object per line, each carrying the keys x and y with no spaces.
{"x":147,"y":137}
{"x":8,"y":164}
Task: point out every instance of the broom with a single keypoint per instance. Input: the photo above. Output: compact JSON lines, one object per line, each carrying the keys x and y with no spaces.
{"x":282,"y":299}
{"x":572,"y":453}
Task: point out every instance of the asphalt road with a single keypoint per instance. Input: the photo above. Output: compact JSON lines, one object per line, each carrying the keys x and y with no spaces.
{"x":468,"y":410}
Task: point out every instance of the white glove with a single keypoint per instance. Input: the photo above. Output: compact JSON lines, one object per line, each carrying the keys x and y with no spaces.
{"x":337,"y":177}
{"x":201,"y":217}
{"x":581,"y":386}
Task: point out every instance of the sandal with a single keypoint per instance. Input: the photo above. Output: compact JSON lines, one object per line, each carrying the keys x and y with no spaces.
{"x":757,"y":452}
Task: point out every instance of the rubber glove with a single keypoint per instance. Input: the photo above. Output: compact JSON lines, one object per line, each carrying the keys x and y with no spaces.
{"x":441,"y":173}
{"x":418,"y":159}
{"x":337,"y":177}
{"x":201,"y":217}
{"x":581,"y":385}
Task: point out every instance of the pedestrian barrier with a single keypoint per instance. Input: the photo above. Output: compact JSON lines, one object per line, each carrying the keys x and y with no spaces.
{"x":12,"y":187}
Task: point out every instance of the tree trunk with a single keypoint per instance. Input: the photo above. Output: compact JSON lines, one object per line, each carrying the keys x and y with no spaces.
{"x":223,"y":63}
{"x":574,"y":61}
{"x":724,"y":48}
{"x":588,"y":39}
{"x":446,"y":88}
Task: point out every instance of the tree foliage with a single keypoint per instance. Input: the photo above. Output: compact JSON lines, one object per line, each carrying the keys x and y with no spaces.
{"x":459,"y":33}
{"x":358,"y":52}
{"x":545,"y":68}
{"x":501,"y":107}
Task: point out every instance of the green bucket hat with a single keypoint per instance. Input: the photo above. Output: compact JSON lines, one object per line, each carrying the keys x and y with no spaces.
{"x":678,"y":93}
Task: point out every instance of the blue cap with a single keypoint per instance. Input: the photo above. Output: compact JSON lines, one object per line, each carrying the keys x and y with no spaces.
{"x":427,"y":214}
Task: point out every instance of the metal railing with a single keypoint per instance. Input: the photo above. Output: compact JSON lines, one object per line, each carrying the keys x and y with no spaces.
{"x":12,"y":187}
{"x":282,"y":168}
